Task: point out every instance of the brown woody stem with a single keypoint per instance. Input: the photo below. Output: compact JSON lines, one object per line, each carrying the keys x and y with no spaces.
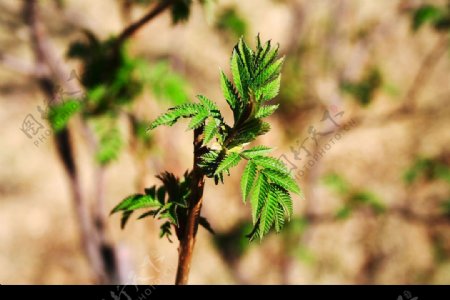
{"x":187,"y":240}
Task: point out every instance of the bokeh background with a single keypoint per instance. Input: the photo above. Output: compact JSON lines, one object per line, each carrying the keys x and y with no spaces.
{"x":363,"y":123}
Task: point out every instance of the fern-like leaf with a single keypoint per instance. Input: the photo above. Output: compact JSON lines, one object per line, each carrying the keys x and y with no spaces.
{"x":210,"y":131}
{"x":279,"y":218}
{"x":210,"y":106}
{"x":230,"y":160}
{"x":266,"y":110}
{"x":268,"y":213}
{"x":248,"y":132}
{"x":285,"y":200}
{"x":270,"y":90}
{"x":247,"y":180}
{"x":258,"y":196}
{"x":173,"y":114}
{"x":229,"y":92}
{"x":240,"y":75}
{"x":271,"y":163}
{"x":269,"y":73}
{"x":125,"y":203}
{"x":256,"y":151}
{"x":199,"y":119}
{"x":246,"y":55}
{"x":282,"y":180}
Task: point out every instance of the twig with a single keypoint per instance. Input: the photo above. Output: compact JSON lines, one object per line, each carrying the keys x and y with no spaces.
{"x":98,"y":254}
{"x":125,"y":7}
{"x":132,"y":28}
{"x":423,"y":74}
{"x":44,"y":50}
{"x":22,"y":67}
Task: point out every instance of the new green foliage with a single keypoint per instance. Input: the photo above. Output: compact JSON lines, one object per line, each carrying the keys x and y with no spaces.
{"x":364,"y":89}
{"x":353,"y":197}
{"x":438,"y":17}
{"x":231,"y":21}
{"x":429,"y":168}
{"x":167,"y":202}
{"x":166,"y":84}
{"x":60,"y":114}
{"x":113,"y":80}
{"x":256,"y":75}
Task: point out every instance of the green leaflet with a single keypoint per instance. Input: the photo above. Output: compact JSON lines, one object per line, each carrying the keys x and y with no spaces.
{"x":247,"y":58}
{"x":257,"y":198}
{"x":247,"y":132}
{"x":230,"y":160}
{"x":268,"y":56}
{"x":268,"y":213}
{"x":279,"y":218}
{"x":173,"y":114}
{"x":271,"y":163}
{"x":228,"y":91}
{"x":266,"y":110}
{"x":240,"y":76}
{"x":198,"y":119}
{"x":282,"y":180}
{"x":109,"y":140}
{"x":256,"y":151}
{"x":247,"y":180}
{"x":268,"y":74}
{"x":136,"y":201}
{"x":210,"y":131}
{"x":60,"y":114}
{"x":208,"y":104}
{"x":144,"y":202}
{"x":285,"y":201}
{"x":270,"y":90}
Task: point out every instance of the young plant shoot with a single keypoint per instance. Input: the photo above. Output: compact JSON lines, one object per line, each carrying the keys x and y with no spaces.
{"x":266,"y":182}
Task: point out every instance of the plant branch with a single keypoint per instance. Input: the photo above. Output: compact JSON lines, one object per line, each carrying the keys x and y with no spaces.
{"x":101,"y":256}
{"x":44,"y":57}
{"x":187,"y":240}
{"x":423,"y":74}
{"x":22,"y":67}
{"x":132,"y":28}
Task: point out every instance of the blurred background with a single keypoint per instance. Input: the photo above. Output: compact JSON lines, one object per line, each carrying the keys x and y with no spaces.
{"x":363,"y":125}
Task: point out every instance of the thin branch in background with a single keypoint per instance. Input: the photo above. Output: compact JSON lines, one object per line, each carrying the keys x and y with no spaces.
{"x":19,"y":66}
{"x":125,"y":9}
{"x":101,"y":257}
{"x":101,"y":254}
{"x":423,"y":74}
{"x":132,"y":28}
{"x":44,"y":51}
